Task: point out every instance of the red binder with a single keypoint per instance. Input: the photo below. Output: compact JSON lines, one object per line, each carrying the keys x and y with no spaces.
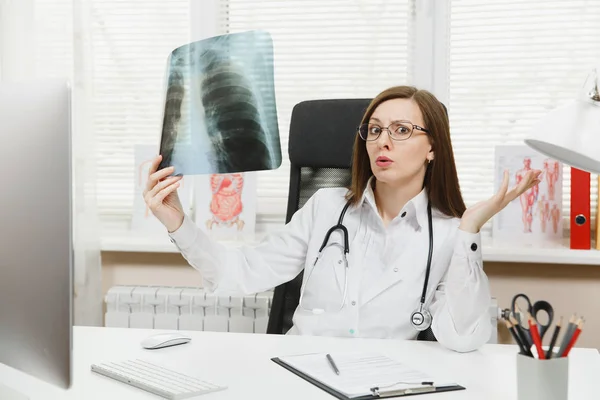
{"x":598,"y":219}
{"x":580,"y":210}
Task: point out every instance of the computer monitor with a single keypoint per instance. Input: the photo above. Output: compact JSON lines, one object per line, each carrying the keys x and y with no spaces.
{"x":36,"y":246}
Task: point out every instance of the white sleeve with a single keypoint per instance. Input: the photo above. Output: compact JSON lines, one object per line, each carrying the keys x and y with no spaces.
{"x":279,"y":258}
{"x":460,"y":307}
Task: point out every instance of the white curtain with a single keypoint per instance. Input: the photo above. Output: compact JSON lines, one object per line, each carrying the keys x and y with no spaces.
{"x":47,"y":39}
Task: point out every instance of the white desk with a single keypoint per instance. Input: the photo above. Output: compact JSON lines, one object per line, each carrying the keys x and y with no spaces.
{"x":242,"y":362}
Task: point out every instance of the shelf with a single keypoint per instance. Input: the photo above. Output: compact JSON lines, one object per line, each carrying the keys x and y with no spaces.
{"x":146,"y":244}
{"x":542,"y":255}
{"x":138,"y":244}
{"x":557,"y":254}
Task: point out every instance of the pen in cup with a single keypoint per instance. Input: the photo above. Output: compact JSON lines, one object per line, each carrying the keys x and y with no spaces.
{"x":332,"y":363}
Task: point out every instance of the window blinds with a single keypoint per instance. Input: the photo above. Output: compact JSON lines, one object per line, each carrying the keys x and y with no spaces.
{"x":334,"y":49}
{"x":130,"y":42}
{"x":52,"y":33}
{"x":510,"y":62}
{"x":323,"y":50}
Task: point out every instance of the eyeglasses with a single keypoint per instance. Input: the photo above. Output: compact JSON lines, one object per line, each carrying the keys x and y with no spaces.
{"x":400,"y":130}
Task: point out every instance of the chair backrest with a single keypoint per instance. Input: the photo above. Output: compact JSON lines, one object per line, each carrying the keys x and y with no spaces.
{"x":321,"y":138}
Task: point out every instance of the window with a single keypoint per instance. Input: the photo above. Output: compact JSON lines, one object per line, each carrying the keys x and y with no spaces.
{"x":51,"y":38}
{"x":498,"y":65}
{"x":323,"y":50}
{"x":333,"y":49}
{"x":509,"y":63}
{"x":130,"y":42}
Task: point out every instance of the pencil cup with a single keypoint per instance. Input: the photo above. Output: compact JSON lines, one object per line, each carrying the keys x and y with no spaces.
{"x":542,"y":379}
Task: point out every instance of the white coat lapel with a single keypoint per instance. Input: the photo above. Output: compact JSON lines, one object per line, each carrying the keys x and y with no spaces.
{"x":403,"y":265}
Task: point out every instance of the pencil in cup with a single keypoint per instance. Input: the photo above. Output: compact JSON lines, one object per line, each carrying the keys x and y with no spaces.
{"x":573,"y":338}
{"x":569,"y":330}
{"x":519,"y":336}
{"x":549,"y":353}
{"x":525,"y":332}
{"x":535,"y":335}
{"x":516,"y":337}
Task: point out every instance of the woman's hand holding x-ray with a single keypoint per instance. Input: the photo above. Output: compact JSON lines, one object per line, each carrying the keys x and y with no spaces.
{"x":161,"y":196}
{"x":476,"y":216}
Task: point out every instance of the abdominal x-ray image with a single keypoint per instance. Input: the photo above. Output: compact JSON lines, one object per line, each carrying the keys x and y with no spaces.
{"x":220,"y":114}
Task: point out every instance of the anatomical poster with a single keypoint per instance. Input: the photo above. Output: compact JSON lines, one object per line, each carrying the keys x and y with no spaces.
{"x":220,"y":115}
{"x":225,"y":205}
{"x":535,"y":217}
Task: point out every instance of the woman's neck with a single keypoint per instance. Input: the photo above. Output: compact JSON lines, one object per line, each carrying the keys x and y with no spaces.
{"x":390,"y":198}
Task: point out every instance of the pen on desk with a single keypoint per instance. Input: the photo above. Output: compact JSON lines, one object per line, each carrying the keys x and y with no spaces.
{"x":521,"y":335}
{"x":567,"y":335}
{"x":549,"y":354}
{"x":573,"y":338}
{"x":332,"y":363}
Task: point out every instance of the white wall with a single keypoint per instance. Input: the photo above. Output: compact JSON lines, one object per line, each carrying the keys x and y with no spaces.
{"x":570,"y":288}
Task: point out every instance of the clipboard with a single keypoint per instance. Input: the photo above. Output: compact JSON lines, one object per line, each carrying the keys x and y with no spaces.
{"x":375,"y":392}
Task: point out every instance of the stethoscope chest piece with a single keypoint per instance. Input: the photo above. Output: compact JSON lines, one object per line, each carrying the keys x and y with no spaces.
{"x":421,"y":319}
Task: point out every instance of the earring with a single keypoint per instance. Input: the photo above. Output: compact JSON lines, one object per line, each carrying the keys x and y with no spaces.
{"x":429,"y":161}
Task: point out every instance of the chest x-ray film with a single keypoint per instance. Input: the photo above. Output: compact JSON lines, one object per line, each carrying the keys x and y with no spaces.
{"x":220,"y":114}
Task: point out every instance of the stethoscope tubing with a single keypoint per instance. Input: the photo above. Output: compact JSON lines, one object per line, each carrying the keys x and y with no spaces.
{"x":346,"y":250}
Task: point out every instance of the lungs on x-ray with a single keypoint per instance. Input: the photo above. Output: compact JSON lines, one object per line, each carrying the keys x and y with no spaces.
{"x":220,"y":114}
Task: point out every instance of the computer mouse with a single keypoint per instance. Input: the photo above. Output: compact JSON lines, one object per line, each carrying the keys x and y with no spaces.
{"x":162,"y":340}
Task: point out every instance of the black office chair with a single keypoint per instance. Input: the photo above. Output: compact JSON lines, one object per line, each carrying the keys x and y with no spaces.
{"x":321,"y":138}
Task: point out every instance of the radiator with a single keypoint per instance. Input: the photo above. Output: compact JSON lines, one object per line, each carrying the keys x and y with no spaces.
{"x":185,"y":308}
{"x":189,"y":308}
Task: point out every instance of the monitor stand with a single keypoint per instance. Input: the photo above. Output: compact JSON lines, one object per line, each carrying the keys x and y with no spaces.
{"x":7,"y":393}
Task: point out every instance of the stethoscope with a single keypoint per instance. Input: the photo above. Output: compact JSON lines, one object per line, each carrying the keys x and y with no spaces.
{"x":421,"y":318}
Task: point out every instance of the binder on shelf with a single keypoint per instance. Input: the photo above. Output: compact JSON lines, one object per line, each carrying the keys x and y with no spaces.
{"x":362,"y":376}
{"x":580,"y":210}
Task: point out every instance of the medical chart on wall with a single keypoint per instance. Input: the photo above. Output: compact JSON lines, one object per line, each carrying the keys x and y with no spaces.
{"x":220,"y":114}
{"x":225,"y":205}
{"x":535,"y":217}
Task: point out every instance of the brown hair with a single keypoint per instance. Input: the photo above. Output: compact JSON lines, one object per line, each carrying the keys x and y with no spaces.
{"x":441,"y":179}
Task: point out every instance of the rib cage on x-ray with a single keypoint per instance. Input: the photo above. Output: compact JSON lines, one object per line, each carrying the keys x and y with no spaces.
{"x":233,"y":119}
{"x":237,"y":136}
{"x":172,"y":116}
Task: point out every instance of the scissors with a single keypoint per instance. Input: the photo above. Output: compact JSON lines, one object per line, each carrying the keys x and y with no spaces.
{"x":533,"y":309}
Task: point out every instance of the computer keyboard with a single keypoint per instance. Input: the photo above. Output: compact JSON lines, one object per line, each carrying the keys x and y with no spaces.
{"x":156,"y":379}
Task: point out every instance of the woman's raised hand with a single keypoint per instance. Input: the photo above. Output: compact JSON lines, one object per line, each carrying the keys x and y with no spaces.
{"x":476,"y":216}
{"x":161,"y":196}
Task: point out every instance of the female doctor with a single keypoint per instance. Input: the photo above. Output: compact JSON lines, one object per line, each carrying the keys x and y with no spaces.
{"x":408,"y":257}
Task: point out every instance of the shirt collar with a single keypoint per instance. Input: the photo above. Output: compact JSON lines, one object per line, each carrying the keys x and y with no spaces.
{"x":415,"y":208}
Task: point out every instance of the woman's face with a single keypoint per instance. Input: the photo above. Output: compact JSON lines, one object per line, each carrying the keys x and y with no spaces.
{"x":398,"y":161}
